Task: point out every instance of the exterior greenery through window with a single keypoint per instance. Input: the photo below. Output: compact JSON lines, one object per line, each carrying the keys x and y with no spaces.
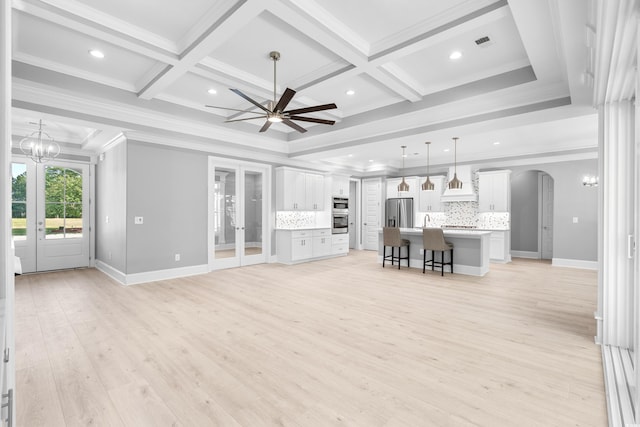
{"x":19,"y":200}
{"x":63,"y":202}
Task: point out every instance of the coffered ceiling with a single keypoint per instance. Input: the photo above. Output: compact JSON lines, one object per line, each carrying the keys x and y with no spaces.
{"x":525,"y":86}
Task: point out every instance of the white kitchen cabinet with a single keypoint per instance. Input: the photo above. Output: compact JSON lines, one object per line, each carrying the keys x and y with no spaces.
{"x":293,"y":246}
{"x":430,"y":201}
{"x":340,"y":185}
{"x":392,"y":187}
{"x":500,"y":246}
{"x":297,"y":190}
{"x":494,"y":191}
{"x":321,"y":243}
{"x":314,"y":184}
{"x":340,"y":244}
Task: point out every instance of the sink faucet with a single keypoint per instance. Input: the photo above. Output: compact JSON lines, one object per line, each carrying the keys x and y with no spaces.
{"x":424,"y":221}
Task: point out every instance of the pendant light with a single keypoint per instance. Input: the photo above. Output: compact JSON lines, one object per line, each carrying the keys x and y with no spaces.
{"x":39,"y":146}
{"x":428,"y":185}
{"x":403,"y":186}
{"x":455,"y":183}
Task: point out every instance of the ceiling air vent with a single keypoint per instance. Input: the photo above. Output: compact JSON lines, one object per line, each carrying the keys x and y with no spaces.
{"x":484,"y":41}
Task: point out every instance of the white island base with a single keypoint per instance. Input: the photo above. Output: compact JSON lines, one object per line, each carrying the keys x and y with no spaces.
{"x":470,"y":250}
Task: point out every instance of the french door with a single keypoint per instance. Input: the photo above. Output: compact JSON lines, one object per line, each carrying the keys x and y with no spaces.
{"x":50,"y":215}
{"x":238,"y":209}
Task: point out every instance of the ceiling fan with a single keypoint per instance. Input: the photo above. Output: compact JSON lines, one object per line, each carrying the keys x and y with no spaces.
{"x":275,"y":111}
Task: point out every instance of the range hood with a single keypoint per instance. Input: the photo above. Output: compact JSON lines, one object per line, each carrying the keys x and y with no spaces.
{"x":464,"y":194}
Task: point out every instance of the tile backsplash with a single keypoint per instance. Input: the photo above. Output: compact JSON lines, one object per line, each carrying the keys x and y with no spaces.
{"x":291,"y":220}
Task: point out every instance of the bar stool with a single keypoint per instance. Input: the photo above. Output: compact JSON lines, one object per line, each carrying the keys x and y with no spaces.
{"x":433,"y":240}
{"x":391,"y":237}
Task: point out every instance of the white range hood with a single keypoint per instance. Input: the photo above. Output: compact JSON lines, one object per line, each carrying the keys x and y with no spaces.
{"x":464,"y":194}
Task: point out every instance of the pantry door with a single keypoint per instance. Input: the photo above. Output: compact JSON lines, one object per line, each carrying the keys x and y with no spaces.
{"x":238,"y":207}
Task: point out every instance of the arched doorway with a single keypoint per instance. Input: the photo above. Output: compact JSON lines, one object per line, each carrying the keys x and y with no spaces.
{"x":532,"y":215}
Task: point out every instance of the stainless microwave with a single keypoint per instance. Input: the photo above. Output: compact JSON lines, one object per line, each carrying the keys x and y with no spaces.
{"x":340,"y":204}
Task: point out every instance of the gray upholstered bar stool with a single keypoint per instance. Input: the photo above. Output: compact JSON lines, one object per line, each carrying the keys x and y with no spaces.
{"x":391,"y":237}
{"x":433,"y":240}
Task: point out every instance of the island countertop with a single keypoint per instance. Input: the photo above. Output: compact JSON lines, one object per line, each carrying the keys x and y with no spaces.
{"x":471,"y":249}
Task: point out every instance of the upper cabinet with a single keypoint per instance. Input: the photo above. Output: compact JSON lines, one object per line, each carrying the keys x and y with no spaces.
{"x":494,"y":191}
{"x":429,"y":201}
{"x":340,"y":185}
{"x":392,"y":187}
{"x":298,"y":190}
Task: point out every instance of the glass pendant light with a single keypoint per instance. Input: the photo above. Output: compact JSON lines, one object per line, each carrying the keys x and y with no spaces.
{"x":428,"y":185}
{"x":455,"y":183}
{"x":403,"y":186}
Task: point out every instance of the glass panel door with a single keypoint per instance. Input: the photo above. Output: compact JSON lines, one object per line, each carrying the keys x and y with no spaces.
{"x":224,"y":213}
{"x":23,"y":209}
{"x":237,"y":213}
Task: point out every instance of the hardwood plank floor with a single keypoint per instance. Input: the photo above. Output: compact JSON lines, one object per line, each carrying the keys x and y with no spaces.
{"x":335,"y":342}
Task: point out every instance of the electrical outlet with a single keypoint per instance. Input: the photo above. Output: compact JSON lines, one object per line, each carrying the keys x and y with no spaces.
{"x":177,"y":257}
{"x":138,"y":220}
{"x":575,"y":219}
{"x":106,"y":219}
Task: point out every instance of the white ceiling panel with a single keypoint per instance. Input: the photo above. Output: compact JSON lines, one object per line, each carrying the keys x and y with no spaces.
{"x":48,"y":45}
{"x":302,"y":59}
{"x":169,"y":19}
{"x":433,"y":70}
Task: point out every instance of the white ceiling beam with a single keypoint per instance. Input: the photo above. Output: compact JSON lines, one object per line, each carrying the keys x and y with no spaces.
{"x":226,"y":27}
{"x":396,"y":83}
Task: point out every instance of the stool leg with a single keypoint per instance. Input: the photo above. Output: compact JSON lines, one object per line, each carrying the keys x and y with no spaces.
{"x":384,"y":254}
{"x":399,"y":256}
{"x":433,"y":258}
{"x":451,"y":261}
{"x":442,"y":263}
{"x":424,"y":259}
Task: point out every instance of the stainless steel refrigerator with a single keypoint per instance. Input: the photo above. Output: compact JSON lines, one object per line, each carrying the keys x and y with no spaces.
{"x":399,"y":212}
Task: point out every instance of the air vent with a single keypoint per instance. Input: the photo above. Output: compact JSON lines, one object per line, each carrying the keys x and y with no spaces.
{"x":483,"y":40}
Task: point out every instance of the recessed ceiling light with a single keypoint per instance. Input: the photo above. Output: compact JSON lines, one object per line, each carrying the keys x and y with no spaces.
{"x":212,"y":91}
{"x":370,"y":160}
{"x":96,"y":53}
{"x":350,"y":92}
{"x":446,"y":150}
{"x":350,"y":155}
{"x":496,"y":143}
{"x":456,"y":54}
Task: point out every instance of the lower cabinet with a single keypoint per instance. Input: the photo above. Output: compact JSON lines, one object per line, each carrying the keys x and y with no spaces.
{"x":500,"y":246}
{"x":303,"y":245}
{"x":340,"y":244}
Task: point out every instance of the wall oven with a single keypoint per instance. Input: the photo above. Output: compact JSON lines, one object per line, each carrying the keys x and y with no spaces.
{"x":340,"y":205}
{"x":340,"y":223}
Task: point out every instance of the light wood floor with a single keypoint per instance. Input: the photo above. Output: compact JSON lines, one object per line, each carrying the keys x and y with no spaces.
{"x":331,"y":343}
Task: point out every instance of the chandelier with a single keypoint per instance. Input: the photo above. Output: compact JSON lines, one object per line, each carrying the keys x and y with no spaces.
{"x":39,"y":146}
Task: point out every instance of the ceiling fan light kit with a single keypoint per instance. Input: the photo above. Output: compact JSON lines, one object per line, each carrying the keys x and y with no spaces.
{"x":275,"y":112}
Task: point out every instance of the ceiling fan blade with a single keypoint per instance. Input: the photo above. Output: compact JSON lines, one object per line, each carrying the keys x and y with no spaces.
{"x":294,"y":126}
{"x":265,"y":126}
{"x":231,"y":109}
{"x":237,"y":92}
{"x":284,"y":100}
{"x":311,"y":109}
{"x":241,"y":120}
{"x":312,"y":120}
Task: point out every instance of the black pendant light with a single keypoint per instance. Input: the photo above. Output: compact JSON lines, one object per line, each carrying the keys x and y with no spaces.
{"x":403,"y":186}
{"x":455,"y":183}
{"x":428,"y":185}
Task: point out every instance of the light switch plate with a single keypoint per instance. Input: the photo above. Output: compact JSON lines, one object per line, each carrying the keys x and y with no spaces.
{"x":575,"y":219}
{"x":138,"y":220}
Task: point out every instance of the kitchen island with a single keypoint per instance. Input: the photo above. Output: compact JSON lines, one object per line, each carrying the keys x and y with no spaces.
{"x":470,"y":250}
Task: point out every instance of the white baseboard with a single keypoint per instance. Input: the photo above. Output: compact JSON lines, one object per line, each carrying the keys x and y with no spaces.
{"x":574,"y":263}
{"x":525,"y":254}
{"x":151,"y":276}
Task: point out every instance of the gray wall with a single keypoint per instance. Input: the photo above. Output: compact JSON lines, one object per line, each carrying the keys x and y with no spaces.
{"x":168,"y":187}
{"x":572,"y":199}
{"x":111,"y":184}
{"x":524,"y":211}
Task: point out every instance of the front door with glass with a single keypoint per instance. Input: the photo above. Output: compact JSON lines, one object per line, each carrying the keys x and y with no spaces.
{"x":50,"y":207}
